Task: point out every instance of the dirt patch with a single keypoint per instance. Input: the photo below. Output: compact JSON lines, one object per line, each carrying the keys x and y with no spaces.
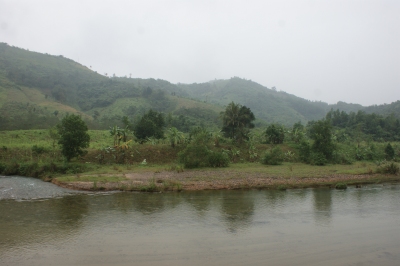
{"x":217,"y":180}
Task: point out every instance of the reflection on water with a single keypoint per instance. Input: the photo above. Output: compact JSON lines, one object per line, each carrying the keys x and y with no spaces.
{"x":322,"y":206}
{"x":237,"y":210}
{"x":301,"y":227}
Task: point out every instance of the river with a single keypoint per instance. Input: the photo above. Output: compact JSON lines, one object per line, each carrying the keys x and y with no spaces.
{"x":41,"y":224}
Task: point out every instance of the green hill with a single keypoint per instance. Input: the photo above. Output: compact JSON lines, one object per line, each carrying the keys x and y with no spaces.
{"x":267,"y":104}
{"x":36,"y":90}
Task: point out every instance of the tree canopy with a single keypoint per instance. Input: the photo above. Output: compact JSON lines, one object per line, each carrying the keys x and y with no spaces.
{"x":236,"y":120}
{"x":74,"y":137}
{"x":150,"y":125}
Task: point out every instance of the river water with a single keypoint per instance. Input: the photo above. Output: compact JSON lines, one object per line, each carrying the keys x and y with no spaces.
{"x":42,"y":224}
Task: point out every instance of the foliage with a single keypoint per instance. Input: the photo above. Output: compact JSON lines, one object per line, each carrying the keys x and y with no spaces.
{"x":174,"y":136}
{"x":274,"y":156}
{"x":297,"y":134}
{"x":218,"y":159}
{"x":341,"y":186}
{"x":198,"y":153}
{"x":388,"y":168}
{"x":317,"y":158}
{"x":194,"y":156}
{"x":46,"y":170}
{"x":236,"y":120}
{"x":120,"y":135}
{"x":321,"y":134}
{"x":376,"y":126}
{"x":37,"y":150}
{"x":275,"y":134}
{"x":73,"y":136}
{"x":342,"y":156}
{"x":389,"y":151}
{"x":304,"y":149}
{"x":150,"y":125}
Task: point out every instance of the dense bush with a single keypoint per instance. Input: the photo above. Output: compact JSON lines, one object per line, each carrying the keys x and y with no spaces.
{"x":194,"y":156}
{"x":318,"y":158}
{"x":274,"y":156}
{"x":218,"y":159}
{"x":321,"y":134}
{"x":275,"y":134}
{"x":201,"y":156}
{"x":37,"y":150}
{"x":388,"y":168}
{"x":33,"y":169}
{"x":341,"y":186}
{"x":389,"y":151}
{"x":304,"y":151}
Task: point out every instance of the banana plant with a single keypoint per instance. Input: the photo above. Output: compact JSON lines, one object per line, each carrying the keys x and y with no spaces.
{"x":174,"y":136}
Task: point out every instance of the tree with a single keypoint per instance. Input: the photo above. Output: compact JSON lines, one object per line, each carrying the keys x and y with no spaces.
{"x":275,"y":134}
{"x":389,"y":151}
{"x":174,"y":136}
{"x":236,"y":120}
{"x":150,"y":125}
{"x":321,"y":133}
{"x":73,"y":136}
{"x":297,"y":133}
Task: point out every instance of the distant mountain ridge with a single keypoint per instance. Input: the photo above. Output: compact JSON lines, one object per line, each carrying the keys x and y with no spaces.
{"x":35,"y":88}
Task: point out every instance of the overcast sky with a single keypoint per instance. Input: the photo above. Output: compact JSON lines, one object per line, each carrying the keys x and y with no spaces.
{"x":319,"y":50}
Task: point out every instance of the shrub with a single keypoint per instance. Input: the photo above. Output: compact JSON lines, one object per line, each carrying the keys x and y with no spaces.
{"x":304,"y":151}
{"x":275,"y":134}
{"x":341,"y":186}
{"x":28,"y":169}
{"x":38,"y":150}
{"x":218,"y":159}
{"x":388,"y":168}
{"x":274,"y":156}
{"x":318,"y":158}
{"x":342,"y":157}
{"x":389,"y":152}
{"x":2,"y":167}
{"x":194,"y":156}
{"x":11,"y":169}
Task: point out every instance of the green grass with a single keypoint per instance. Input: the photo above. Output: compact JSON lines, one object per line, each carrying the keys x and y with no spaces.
{"x":40,"y":137}
{"x":25,"y":138}
{"x":304,"y":170}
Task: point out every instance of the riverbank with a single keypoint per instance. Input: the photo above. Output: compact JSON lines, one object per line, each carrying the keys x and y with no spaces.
{"x":245,"y":176}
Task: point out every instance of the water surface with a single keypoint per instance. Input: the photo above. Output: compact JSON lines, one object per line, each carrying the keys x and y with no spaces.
{"x":294,"y":227}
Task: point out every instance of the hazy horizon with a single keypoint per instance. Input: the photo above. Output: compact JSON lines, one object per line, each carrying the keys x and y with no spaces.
{"x":325,"y":51}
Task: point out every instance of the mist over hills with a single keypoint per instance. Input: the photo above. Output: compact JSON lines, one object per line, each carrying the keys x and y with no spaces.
{"x":37,"y":89}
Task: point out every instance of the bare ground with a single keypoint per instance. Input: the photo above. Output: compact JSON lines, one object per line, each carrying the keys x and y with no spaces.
{"x":219,"y":180}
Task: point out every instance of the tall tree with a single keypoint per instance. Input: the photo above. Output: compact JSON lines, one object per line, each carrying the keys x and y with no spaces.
{"x":150,"y":125}
{"x":321,"y":133}
{"x":236,"y":120}
{"x":275,"y":134}
{"x":73,"y":136}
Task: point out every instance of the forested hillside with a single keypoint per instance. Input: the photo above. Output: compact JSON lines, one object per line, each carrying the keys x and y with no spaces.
{"x":267,"y":104}
{"x":36,"y":90}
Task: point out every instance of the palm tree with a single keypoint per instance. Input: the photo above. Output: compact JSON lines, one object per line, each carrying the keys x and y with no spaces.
{"x":236,"y":119}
